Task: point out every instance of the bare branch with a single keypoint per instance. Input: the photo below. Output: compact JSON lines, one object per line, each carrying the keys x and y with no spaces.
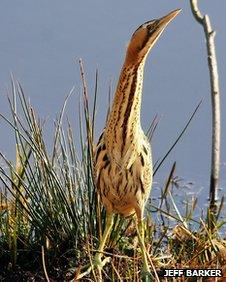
{"x":215,"y":97}
{"x":196,"y":12}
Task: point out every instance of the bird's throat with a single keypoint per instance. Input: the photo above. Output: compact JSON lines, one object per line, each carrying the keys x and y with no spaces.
{"x":123,"y":125}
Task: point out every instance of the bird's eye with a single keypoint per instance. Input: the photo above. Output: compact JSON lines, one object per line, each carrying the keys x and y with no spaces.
{"x":147,"y":25}
{"x":152,"y":26}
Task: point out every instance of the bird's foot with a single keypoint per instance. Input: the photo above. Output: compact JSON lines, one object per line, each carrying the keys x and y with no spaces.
{"x":96,"y":264}
{"x":101,"y":263}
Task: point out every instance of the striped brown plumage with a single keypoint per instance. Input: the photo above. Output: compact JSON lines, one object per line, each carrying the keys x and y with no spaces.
{"x":123,"y":166}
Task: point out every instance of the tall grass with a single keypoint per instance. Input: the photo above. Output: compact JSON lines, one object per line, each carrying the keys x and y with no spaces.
{"x":48,"y":198}
{"x":51,"y":219}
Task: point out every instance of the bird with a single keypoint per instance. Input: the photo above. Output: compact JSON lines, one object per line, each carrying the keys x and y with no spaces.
{"x":122,"y":158}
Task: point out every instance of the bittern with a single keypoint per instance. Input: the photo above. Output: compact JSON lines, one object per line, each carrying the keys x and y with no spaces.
{"x":122,"y":159}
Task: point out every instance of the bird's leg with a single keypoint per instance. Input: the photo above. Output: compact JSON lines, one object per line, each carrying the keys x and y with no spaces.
{"x":145,"y":275}
{"x":107,"y":230}
{"x":97,"y":262}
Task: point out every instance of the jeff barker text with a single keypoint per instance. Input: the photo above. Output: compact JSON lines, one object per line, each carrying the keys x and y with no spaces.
{"x":192,"y":272}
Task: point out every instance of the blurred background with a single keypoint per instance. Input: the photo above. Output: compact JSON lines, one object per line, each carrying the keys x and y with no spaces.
{"x":42,"y":41}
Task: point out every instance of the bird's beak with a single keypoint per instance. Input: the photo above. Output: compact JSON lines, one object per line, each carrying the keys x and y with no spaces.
{"x":164,"y":21}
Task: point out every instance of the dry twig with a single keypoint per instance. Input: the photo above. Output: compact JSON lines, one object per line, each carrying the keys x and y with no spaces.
{"x":215,"y":96}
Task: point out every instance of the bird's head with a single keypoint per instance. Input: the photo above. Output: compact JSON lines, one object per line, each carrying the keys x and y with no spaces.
{"x":144,"y":38}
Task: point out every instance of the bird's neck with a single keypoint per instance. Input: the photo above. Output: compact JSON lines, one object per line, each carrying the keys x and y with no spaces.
{"x":123,"y":126}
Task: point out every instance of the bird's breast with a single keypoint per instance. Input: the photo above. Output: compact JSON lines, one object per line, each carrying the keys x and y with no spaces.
{"x":123,"y":184}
